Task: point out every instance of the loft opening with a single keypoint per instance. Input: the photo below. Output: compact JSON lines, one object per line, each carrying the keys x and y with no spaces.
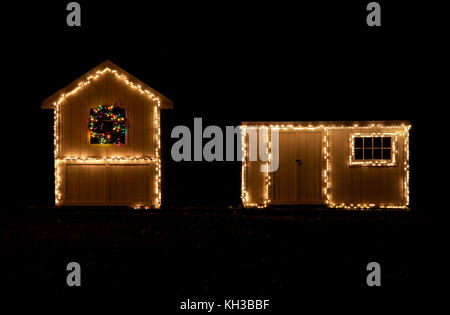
{"x":107,"y":125}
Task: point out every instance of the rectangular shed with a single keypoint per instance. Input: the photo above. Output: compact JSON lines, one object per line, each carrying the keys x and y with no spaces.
{"x":107,"y":140}
{"x":351,"y":165}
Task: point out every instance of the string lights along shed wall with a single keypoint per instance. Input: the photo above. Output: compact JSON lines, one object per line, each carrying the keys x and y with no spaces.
{"x":350,"y":165}
{"x":107,"y":145}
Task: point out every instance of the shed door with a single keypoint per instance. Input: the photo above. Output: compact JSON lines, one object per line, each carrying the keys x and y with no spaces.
{"x":113,"y":184}
{"x":86,"y":184}
{"x":298,"y":178}
{"x":131,"y":184}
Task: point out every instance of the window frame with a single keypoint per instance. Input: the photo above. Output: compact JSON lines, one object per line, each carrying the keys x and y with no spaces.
{"x":374,"y":162}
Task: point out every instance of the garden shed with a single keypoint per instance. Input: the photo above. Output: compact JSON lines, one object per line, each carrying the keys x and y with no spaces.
{"x":107,"y":140}
{"x":351,"y":165}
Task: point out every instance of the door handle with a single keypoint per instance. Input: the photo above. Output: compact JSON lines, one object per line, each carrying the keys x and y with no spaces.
{"x":299,"y":162}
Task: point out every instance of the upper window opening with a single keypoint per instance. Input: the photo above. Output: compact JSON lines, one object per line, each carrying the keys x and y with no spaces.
{"x":107,"y":125}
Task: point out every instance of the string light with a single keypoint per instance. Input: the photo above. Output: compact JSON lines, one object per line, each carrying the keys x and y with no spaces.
{"x":267,"y":177}
{"x":56,"y":127}
{"x":144,"y":160}
{"x":326,"y":182}
{"x":102,"y":134}
{"x":387,"y":162}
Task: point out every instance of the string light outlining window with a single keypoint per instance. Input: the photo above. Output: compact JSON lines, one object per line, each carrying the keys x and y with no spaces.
{"x":373,"y":149}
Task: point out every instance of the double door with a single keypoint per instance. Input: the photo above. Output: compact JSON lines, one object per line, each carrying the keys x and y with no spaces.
{"x":109,"y":184}
{"x":298,"y":178}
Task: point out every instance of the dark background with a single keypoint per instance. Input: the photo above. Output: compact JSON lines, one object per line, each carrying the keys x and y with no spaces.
{"x":228,"y":62}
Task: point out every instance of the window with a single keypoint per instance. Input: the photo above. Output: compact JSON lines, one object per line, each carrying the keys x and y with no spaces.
{"x":107,"y":125}
{"x":373,"y":149}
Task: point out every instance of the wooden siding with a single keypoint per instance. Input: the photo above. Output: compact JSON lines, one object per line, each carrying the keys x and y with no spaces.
{"x":107,"y":90}
{"x":349,"y":185}
{"x":109,"y":184}
{"x":255,"y":179}
{"x":364,"y":184}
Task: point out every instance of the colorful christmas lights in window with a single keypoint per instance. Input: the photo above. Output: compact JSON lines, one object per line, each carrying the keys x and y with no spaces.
{"x":107,"y":125}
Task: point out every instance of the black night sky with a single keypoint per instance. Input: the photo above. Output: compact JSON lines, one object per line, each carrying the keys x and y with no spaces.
{"x":228,"y":62}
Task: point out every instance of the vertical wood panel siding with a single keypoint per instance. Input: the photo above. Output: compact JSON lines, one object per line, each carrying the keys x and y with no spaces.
{"x":132,"y":183}
{"x":86,"y":184}
{"x":255,"y":179}
{"x":349,"y":185}
{"x":107,"y":90}
{"x":364,"y":184}
{"x":123,"y":184}
{"x":114,"y":184}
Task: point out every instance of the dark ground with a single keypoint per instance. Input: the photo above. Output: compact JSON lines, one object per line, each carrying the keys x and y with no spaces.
{"x":297,"y":258}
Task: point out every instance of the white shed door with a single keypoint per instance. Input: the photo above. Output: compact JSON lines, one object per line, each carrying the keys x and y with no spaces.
{"x":298,"y":178}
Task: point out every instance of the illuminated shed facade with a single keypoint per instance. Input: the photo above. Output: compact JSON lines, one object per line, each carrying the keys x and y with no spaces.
{"x":351,"y":165}
{"x":107,"y":146}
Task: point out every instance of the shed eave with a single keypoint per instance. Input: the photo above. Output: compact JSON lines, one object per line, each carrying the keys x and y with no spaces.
{"x":49,"y":102}
{"x":361,"y":123}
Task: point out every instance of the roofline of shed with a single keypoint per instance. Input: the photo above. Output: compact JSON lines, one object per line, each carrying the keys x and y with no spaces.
{"x":166,"y":103}
{"x":361,"y":123}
